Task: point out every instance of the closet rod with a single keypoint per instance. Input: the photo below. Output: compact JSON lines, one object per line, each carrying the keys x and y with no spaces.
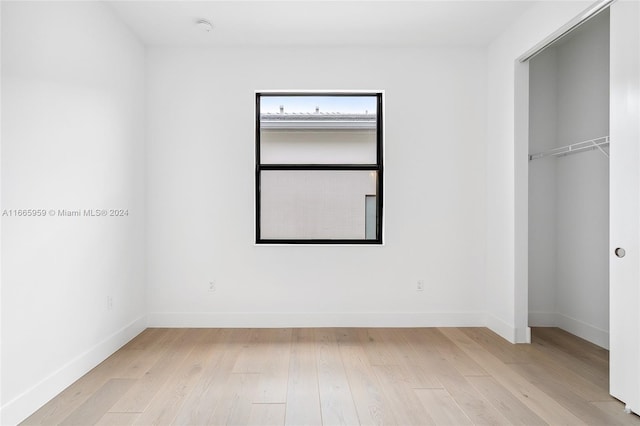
{"x":597,"y":143}
{"x":583,"y":17}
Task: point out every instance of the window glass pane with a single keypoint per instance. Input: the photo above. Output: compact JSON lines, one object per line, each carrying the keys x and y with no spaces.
{"x":305,"y":204}
{"x":318,"y":129}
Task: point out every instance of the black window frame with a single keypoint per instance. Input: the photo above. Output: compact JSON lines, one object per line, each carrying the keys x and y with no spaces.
{"x":377,"y":167}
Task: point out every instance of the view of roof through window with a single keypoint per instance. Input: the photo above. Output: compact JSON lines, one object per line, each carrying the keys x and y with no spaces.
{"x":351,"y":111}
{"x":318,"y":104}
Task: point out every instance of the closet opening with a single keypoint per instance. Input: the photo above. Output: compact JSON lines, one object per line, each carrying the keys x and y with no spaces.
{"x":568,"y":183}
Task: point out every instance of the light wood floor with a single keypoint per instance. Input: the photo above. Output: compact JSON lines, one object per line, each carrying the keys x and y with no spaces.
{"x":417,"y":376}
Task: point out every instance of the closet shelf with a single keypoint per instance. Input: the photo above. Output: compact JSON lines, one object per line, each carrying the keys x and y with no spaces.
{"x":591,"y":144}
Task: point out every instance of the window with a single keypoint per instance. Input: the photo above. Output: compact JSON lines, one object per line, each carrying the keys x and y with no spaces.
{"x":319,"y":168}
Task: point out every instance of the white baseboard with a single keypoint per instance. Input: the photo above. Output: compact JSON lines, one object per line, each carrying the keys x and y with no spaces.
{"x":507,"y":331}
{"x":586,"y":331}
{"x":22,"y":406}
{"x":576,"y":327}
{"x":315,"y":319}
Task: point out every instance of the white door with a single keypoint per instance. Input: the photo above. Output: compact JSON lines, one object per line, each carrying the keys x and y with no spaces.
{"x":625,"y":204}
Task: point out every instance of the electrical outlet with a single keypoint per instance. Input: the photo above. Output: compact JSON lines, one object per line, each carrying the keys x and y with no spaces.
{"x":212,"y":286}
{"x":420,"y":285}
{"x":109,"y":303}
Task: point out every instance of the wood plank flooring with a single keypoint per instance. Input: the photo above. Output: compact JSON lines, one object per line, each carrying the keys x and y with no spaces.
{"x":343,"y":376}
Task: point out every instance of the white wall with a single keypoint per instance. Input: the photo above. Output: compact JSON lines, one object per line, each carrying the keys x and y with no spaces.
{"x":543,"y":111}
{"x":201,"y":191}
{"x":569,"y":196}
{"x":1,"y":327}
{"x":507,"y":167}
{"x":583,"y":184}
{"x":72,"y":138}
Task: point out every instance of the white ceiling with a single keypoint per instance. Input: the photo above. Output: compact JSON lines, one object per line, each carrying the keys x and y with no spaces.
{"x":320,"y":22}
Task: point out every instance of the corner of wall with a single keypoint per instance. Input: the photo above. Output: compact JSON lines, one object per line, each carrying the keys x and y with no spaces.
{"x":508,"y":331}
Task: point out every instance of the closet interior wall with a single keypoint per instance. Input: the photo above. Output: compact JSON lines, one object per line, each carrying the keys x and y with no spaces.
{"x":569,"y":195}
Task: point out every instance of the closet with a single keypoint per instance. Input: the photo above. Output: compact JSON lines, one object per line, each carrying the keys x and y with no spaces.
{"x":582,"y":133}
{"x":569,"y":183}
